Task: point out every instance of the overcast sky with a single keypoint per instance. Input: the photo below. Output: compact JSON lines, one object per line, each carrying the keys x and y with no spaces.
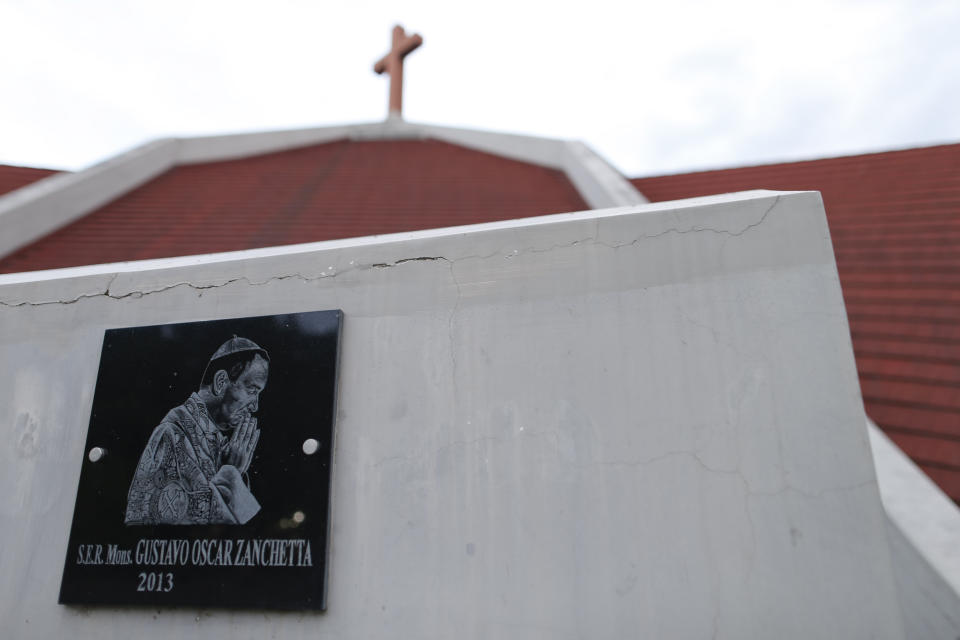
{"x":656,"y":87}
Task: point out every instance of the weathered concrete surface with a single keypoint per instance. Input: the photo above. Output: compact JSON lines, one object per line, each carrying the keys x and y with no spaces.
{"x":641,"y":422}
{"x":924,"y":531}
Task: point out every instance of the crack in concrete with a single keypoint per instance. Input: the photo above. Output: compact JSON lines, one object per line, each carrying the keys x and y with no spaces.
{"x":642,"y":462}
{"x":201,"y":287}
{"x":450,"y":331}
{"x":736,"y":472}
{"x":140,"y":294}
{"x":106,"y":293}
{"x":388,"y":265}
{"x":697,"y":229}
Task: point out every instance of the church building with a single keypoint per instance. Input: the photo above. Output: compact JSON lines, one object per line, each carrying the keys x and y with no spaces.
{"x":894,"y":229}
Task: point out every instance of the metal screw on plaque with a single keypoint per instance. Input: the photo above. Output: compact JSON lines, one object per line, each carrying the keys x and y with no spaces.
{"x":298,"y":516}
{"x":96,"y":453}
{"x":310,"y":446}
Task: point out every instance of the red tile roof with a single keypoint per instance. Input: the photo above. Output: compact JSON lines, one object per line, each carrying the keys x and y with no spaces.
{"x":895,"y":222}
{"x":15,"y":177}
{"x":322,"y":192}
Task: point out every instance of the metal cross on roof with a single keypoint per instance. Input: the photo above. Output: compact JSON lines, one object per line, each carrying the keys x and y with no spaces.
{"x":392,"y":63}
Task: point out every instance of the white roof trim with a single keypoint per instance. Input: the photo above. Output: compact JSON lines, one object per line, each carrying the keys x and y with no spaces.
{"x":37,"y":209}
{"x":31,"y":212}
{"x":598,"y":183}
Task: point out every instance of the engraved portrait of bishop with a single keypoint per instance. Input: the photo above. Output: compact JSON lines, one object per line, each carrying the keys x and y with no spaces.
{"x":193,"y":470}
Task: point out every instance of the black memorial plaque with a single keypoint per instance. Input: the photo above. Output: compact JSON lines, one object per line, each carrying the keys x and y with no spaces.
{"x":206,"y":475}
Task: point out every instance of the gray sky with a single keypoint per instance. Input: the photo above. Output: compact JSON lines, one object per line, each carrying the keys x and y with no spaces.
{"x":656,"y":87}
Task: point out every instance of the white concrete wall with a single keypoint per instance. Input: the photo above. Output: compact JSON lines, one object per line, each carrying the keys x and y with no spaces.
{"x":635,"y":423}
{"x":924,"y":532}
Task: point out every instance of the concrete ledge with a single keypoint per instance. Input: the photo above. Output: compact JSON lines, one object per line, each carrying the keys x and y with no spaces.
{"x":110,"y":270}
